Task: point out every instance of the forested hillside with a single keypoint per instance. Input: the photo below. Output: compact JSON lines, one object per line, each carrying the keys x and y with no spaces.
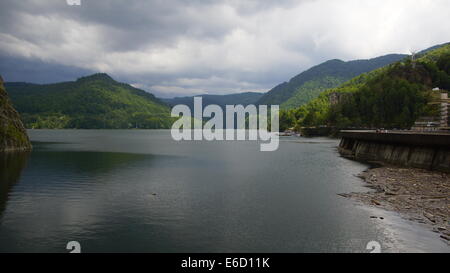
{"x":390,"y":97}
{"x":310,"y":83}
{"x":95,"y":101}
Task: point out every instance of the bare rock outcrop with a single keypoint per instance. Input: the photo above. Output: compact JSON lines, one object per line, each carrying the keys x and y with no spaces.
{"x":13,"y":136}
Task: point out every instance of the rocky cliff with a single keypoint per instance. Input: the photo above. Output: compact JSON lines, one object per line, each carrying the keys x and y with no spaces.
{"x":13,"y":136}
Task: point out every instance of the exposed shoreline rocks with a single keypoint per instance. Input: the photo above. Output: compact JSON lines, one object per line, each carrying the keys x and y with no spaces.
{"x":419,"y":195}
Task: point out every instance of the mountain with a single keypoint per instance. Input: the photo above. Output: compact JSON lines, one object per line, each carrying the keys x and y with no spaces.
{"x":221,"y":100}
{"x":430,"y":49}
{"x":394,"y":96}
{"x":310,"y":83}
{"x":13,"y":136}
{"x":95,"y":101}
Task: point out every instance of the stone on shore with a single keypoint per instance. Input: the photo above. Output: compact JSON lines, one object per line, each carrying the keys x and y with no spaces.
{"x":421,"y":195}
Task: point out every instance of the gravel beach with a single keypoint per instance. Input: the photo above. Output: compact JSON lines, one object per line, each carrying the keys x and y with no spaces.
{"x":419,"y":195}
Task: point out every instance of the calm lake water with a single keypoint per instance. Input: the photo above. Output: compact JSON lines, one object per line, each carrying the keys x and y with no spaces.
{"x":140,"y":191}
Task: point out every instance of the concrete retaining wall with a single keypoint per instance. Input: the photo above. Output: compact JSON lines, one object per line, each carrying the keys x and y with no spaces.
{"x":427,"y":151}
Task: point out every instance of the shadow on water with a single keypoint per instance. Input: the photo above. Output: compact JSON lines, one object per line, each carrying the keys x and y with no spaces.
{"x":86,"y":162}
{"x":11,"y":166}
{"x":49,"y":196}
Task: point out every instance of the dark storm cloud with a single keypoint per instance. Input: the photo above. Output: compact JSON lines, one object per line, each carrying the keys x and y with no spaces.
{"x":128,"y":24}
{"x":218,"y":46}
{"x":17,"y":69}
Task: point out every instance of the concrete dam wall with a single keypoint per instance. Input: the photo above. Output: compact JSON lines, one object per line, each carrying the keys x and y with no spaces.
{"x":409,"y":149}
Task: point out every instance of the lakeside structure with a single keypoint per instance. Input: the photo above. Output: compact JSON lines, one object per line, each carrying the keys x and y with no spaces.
{"x":426,"y":145}
{"x":437,"y":123}
{"x":445,"y":102}
{"x":417,"y":183}
{"x":426,"y":150}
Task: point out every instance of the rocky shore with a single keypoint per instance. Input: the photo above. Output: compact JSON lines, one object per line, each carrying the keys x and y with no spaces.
{"x":13,"y":136}
{"x":419,"y":195}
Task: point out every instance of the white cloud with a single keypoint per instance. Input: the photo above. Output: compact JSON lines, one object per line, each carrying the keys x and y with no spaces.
{"x":220,"y":46}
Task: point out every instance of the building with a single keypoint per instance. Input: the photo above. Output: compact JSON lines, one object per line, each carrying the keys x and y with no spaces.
{"x":444,"y":110}
{"x":439,"y":122}
{"x":337,"y":97}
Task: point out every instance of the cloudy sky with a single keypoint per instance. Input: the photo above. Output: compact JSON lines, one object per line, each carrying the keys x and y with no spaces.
{"x":175,"y":48}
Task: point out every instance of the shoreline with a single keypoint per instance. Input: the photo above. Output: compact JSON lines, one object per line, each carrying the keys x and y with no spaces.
{"x":417,"y":195}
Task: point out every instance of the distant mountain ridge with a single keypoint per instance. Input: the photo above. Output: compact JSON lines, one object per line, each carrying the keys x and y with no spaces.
{"x":310,"y":83}
{"x":91,"y":102}
{"x":423,"y":52}
{"x":98,"y":101}
{"x":394,"y":96}
{"x":245,"y":98}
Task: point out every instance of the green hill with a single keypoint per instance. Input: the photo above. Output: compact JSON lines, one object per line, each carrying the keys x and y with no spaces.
{"x":390,"y":97}
{"x":310,"y":83}
{"x":95,"y":101}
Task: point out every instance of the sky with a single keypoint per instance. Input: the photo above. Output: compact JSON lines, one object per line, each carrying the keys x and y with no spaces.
{"x":181,"y":48}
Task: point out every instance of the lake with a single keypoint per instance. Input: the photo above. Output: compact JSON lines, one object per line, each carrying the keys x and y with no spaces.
{"x":141,"y":191}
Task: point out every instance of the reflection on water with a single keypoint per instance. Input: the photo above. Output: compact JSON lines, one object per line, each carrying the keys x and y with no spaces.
{"x":89,"y":163}
{"x":140,"y":191}
{"x":11,"y":166}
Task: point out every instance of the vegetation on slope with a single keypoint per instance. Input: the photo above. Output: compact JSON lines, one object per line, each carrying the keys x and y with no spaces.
{"x":391,"y":97}
{"x":310,"y":83}
{"x":13,"y":136}
{"x":96,"y":101}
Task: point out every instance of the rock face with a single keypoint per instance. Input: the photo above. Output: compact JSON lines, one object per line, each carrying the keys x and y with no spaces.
{"x":13,"y":136}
